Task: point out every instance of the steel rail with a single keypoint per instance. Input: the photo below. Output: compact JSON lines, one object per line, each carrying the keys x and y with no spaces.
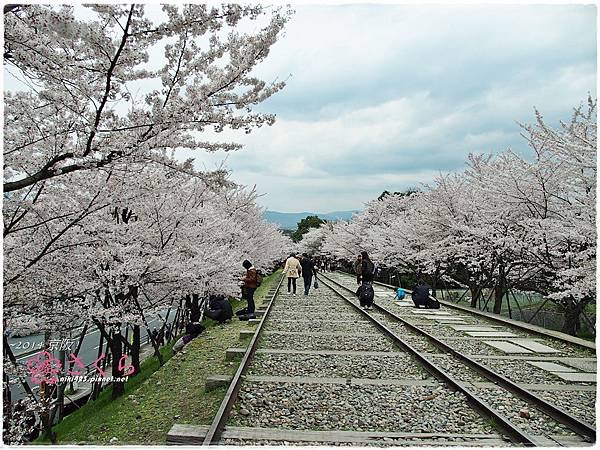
{"x":213,"y":435}
{"x":514,"y":433}
{"x":503,"y":320}
{"x":560,"y":415}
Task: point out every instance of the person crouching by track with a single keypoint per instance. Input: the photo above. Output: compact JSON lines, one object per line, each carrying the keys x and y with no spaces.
{"x":366,"y":293}
{"x":219,"y":309}
{"x":308,"y":270}
{"x":420,"y":296}
{"x":192,"y":330}
{"x":292,"y":270}
{"x":249,"y":285}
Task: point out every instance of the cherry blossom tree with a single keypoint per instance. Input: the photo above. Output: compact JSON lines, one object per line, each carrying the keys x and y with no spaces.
{"x":102,"y":224}
{"x":505,"y":222}
{"x":92,"y":98}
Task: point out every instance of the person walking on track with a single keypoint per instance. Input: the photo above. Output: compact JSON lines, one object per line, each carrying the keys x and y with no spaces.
{"x":292,"y":270}
{"x":308,"y":270}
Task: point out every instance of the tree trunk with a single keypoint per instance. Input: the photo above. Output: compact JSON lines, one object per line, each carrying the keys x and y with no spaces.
{"x":498,"y":296}
{"x":194,"y":306}
{"x":135,"y":350}
{"x":45,"y":416}
{"x":60,"y":397}
{"x":475,"y":294}
{"x":572,"y":312}
{"x":116,"y":349}
{"x":6,"y":403}
{"x":499,"y":290}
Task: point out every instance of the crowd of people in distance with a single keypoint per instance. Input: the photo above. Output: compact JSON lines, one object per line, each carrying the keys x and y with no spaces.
{"x":296,"y":266}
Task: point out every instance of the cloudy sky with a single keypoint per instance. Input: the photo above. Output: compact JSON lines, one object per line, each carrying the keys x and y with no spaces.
{"x":387,"y":96}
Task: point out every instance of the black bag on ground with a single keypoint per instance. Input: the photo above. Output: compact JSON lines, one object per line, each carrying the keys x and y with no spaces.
{"x":194,"y":328}
{"x":247,"y":316}
{"x":367,"y":294}
{"x":432,"y":304}
{"x":241,"y":312}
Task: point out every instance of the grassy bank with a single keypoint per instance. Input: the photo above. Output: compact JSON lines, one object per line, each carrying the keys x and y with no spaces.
{"x":159,"y":397}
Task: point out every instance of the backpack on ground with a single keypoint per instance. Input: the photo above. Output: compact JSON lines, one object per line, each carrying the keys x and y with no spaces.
{"x":400,"y":294}
{"x":367,"y":294}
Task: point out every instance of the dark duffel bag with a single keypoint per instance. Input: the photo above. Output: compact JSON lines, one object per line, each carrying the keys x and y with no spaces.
{"x":358,"y":291}
{"x":367,"y":294}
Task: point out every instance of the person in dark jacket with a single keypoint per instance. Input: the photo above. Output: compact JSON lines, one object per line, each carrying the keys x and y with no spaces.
{"x":367,"y":268}
{"x":250,"y":283}
{"x":366,"y":293}
{"x":420,"y":294}
{"x":219,"y":309}
{"x":308,"y":270}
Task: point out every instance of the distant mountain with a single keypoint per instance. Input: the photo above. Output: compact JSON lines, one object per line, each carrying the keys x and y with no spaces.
{"x":289,"y":221}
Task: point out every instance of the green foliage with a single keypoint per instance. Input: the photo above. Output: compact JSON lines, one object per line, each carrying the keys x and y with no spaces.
{"x":304,"y":225}
{"x":408,"y":191}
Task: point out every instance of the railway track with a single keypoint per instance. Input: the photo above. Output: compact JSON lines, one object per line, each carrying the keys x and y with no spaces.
{"x":320,"y":371}
{"x":516,"y":359}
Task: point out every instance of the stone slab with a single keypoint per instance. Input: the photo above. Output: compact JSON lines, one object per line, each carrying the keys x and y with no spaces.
{"x":551,"y":367}
{"x":448,"y":317}
{"x":431,"y":312}
{"x":216,"y":381}
{"x":246,"y":334}
{"x":582,"y":377}
{"x":540,"y":386}
{"x":493,"y":334}
{"x":187,"y":434}
{"x":449,"y":320}
{"x":404,"y":304}
{"x":507,"y":347}
{"x":233,"y":353}
{"x":473,"y":328}
{"x":583,"y":364}
{"x":530,"y":344}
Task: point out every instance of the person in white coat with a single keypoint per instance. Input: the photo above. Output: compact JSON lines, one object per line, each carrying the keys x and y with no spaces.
{"x":292,"y":270}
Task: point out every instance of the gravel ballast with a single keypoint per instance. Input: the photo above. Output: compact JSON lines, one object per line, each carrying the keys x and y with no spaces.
{"x":397,"y":366}
{"x":313,"y":342}
{"x":416,"y":409}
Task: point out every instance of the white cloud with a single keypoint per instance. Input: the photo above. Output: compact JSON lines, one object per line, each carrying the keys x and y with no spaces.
{"x":385,"y":97}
